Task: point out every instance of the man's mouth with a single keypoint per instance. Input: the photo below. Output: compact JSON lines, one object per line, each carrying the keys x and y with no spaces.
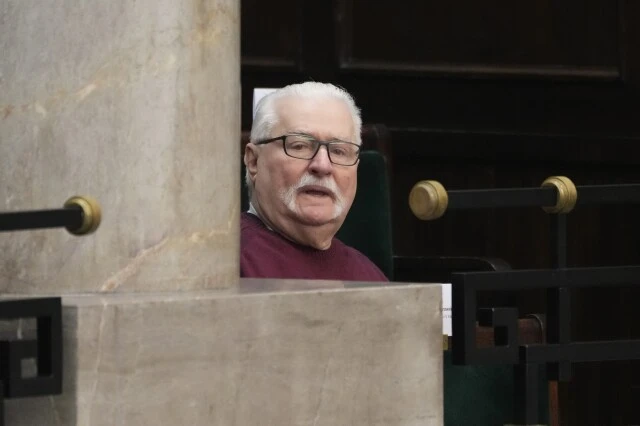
{"x":316,"y":191}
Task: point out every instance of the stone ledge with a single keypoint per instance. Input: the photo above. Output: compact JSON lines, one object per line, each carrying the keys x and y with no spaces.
{"x":356,"y":356}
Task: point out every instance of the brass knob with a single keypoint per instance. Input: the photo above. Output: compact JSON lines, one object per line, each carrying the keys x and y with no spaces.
{"x":428,"y":200}
{"x":91,"y":214}
{"x":567,"y":194}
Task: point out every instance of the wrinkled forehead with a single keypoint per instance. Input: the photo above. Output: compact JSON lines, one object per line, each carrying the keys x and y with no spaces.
{"x":324,"y":118}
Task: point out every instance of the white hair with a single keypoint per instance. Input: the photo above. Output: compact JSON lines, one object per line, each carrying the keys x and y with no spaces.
{"x":266,"y":116}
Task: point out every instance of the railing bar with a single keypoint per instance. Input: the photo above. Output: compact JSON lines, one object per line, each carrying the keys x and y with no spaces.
{"x":38,"y":219}
{"x":540,"y":197}
{"x":549,"y":278}
{"x":613,"y":350}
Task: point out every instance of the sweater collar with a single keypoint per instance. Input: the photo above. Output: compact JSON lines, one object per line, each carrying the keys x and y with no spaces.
{"x":253,"y":211}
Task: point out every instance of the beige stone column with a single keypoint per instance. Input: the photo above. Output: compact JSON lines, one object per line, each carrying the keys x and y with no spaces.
{"x":136,"y":103}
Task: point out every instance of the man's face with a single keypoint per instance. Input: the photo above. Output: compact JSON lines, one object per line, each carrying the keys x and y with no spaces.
{"x":311,"y":192}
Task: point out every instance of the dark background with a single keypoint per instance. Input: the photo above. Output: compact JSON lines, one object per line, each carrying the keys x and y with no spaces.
{"x":489,"y":94}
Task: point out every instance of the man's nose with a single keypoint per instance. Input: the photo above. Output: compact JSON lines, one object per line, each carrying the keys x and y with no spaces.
{"x":320,"y":164}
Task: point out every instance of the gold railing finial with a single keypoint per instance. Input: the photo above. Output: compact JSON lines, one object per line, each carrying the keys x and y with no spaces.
{"x":428,"y":200}
{"x":567,"y":194}
{"x":91,"y":214}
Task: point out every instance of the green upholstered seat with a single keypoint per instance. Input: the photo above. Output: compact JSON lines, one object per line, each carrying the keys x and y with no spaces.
{"x":483,"y":395}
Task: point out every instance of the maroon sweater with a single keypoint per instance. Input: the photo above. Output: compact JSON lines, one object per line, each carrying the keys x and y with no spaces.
{"x":266,"y":254}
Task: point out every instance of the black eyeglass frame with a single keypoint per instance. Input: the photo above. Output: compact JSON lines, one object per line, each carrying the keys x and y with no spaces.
{"x":319,"y":144}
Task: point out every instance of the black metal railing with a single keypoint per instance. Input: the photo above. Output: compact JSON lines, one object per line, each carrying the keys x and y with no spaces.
{"x":80,"y":216}
{"x":70,"y":217}
{"x":541,"y":197}
{"x":558,"y":195}
{"x":558,"y":352}
{"x":45,"y":349}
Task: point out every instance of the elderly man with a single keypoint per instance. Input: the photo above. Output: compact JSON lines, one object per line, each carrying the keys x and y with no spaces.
{"x":301,"y":175}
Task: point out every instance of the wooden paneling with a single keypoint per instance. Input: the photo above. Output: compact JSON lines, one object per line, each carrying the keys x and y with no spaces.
{"x":271,"y":36}
{"x":630,"y":41}
{"x":481,"y":95}
{"x":529,"y":107}
{"x":543,"y":39}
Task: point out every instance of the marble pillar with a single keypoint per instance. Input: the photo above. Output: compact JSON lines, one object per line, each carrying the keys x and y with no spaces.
{"x":137,"y":104}
{"x":359,"y":356}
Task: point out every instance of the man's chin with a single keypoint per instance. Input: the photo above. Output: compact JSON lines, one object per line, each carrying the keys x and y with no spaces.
{"x":317,"y":218}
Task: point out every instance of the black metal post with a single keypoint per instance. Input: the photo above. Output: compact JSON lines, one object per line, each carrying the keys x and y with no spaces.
{"x":46,"y":349}
{"x":527,"y":383}
{"x":559,"y":300}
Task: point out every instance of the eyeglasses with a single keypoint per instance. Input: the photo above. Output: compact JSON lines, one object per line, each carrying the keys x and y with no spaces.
{"x":305,"y":148}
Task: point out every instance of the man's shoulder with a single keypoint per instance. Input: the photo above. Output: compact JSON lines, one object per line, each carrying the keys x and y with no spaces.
{"x":248,"y":220}
{"x":256,"y":237}
{"x":251,"y":227}
{"x":365,"y":267}
{"x":350,"y":252}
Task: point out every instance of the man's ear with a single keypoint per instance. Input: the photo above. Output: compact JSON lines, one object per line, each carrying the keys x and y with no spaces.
{"x":251,"y":160}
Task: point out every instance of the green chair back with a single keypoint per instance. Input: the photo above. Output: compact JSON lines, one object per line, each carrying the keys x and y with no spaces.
{"x":368,"y":224}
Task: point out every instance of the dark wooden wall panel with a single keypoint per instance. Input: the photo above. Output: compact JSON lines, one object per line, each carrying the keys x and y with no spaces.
{"x":482,"y":95}
{"x":271,"y":43}
{"x":572,"y":38}
{"x":630,"y":41}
